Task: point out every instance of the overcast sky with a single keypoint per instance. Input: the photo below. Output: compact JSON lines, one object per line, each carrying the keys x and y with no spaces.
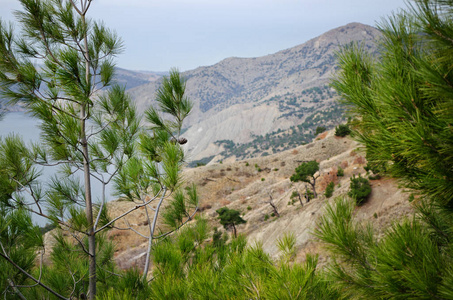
{"x":160,"y":34}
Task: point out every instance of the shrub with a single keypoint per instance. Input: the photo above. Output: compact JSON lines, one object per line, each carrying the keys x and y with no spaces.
{"x":249,"y":207}
{"x":320,"y":129}
{"x":411,"y":197}
{"x":359,"y":189}
{"x":340,"y":172}
{"x":342,"y":130}
{"x":309,"y":195}
{"x":329,"y":189}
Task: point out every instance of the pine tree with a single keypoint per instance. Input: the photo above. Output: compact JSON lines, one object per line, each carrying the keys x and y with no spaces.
{"x":403,"y":100}
{"x":60,"y":66}
{"x":306,"y":172}
{"x":229,"y":218}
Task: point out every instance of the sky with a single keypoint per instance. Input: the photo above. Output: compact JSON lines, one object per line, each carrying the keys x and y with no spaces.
{"x":162,"y":34}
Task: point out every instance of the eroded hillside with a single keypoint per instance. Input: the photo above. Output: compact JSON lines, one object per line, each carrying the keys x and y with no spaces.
{"x":240,"y":100}
{"x":249,"y":185}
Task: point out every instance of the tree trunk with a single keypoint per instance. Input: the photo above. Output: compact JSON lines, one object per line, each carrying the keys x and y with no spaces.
{"x":313,"y":187}
{"x":89,"y":213}
{"x":275,"y":209}
{"x":234,"y":231}
{"x":300,"y":199}
{"x":86,"y":170}
{"x":151,"y":233}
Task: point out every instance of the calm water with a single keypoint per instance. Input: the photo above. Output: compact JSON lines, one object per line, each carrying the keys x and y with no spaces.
{"x":20,"y":123}
{"x":27,"y":127}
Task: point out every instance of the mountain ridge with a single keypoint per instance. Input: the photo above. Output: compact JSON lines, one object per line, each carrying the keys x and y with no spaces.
{"x":238,"y":99}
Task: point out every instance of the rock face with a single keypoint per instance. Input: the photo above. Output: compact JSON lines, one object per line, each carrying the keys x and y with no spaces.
{"x":241,"y":97}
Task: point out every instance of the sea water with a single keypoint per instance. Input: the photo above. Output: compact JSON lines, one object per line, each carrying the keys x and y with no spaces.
{"x":27,"y":127}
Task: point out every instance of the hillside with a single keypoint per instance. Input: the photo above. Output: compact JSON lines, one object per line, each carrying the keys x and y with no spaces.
{"x":127,"y":78}
{"x":260,"y":100}
{"x":131,"y":79}
{"x":248,"y":186}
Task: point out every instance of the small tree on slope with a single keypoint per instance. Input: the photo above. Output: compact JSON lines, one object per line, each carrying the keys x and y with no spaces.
{"x":229,"y":218}
{"x":306,"y":172}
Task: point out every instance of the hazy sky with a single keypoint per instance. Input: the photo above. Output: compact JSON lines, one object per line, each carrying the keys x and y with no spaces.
{"x":186,"y":34}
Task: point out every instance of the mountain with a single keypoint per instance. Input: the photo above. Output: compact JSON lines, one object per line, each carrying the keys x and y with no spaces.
{"x":127,"y":78}
{"x":131,"y":79}
{"x":245,"y":107}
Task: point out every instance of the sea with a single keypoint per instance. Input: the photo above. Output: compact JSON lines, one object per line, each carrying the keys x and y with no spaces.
{"x":26,"y":126}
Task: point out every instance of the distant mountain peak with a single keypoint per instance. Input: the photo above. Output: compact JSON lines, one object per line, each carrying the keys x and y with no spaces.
{"x":240,"y":99}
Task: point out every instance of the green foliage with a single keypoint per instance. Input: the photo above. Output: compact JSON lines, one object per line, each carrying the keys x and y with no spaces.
{"x":56,"y":67}
{"x":412,"y":259}
{"x":329,"y":189}
{"x":342,"y":130}
{"x":403,"y":103}
{"x":304,"y":171}
{"x":320,"y":129}
{"x":20,"y":241}
{"x":404,"y":98}
{"x":287,"y":245}
{"x":376,"y":168}
{"x":234,"y":271}
{"x":171,"y":100}
{"x":340,"y":172}
{"x":359,"y":189}
{"x":229,"y":218}
{"x":309,"y":195}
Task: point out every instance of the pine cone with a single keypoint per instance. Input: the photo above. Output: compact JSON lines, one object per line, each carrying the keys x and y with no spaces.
{"x":182,"y":141}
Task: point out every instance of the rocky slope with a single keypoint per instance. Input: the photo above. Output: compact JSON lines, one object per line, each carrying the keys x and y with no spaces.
{"x":248,"y":186}
{"x":238,"y":99}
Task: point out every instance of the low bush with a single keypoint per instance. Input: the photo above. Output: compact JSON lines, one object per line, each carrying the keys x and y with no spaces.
{"x":329,"y":189}
{"x":359,"y":189}
{"x":342,"y":130}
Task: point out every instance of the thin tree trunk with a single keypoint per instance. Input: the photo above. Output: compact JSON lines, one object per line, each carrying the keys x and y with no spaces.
{"x":300,"y":198}
{"x":89,"y":214}
{"x":234,"y":231}
{"x":86,"y":170}
{"x":271,"y":203}
{"x":313,"y":187}
{"x":151,"y":234}
{"x":275,"y":209}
